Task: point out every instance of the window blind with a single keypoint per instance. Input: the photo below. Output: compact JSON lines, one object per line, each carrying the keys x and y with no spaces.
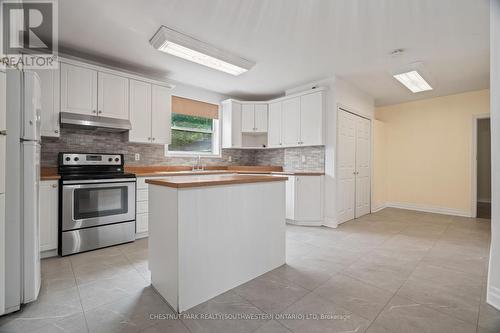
{"x":190,"y":107}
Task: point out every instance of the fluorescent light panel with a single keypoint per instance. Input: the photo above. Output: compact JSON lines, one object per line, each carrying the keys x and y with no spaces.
{"x":413,"y":81}
{"x":189,"y":48}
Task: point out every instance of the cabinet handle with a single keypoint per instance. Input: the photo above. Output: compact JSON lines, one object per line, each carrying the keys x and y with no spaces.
{"x":149,"y":139}
{"x":153,"y":139}
{"x":100,"y":111}
{"x":56,"y":131}
{"x":94,"y":111}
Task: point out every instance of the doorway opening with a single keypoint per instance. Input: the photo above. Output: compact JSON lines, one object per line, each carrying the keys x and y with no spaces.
{"x":483,"y":168}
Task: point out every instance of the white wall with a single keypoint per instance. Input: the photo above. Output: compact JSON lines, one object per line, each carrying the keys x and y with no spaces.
{"x":493,"y":294}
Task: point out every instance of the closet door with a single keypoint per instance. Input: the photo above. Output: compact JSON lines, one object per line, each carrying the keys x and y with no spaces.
{"x":363,"y":139}
{"x":346,"y":155}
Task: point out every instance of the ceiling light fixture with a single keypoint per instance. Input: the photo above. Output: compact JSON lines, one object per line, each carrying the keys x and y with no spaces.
{"x":413,"y":81}
{"x":192,"y":49}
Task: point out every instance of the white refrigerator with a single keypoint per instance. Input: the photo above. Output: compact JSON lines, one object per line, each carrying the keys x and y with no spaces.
{"x":21,"y":272}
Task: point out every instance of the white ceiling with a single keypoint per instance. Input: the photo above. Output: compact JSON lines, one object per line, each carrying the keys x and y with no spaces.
{"x":292,"y":41}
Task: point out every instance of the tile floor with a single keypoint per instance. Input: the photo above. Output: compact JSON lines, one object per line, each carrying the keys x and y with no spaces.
{"x":394,"y":271}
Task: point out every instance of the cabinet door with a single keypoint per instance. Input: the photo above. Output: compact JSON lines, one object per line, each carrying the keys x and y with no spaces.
{"x":48,"y":215}
{"x":308,"y":196}
{"x":231,"y":124}
{"x":161,"y":115}
{"x":49,"y":82}
{"x":363,"y":184}
{"x":141,"y":223}
{"x":3,"y":126}
{"x":274,"y":128}
{"x":113,"y":96}
{"x":78,"y":89}
{"x":260,"y":115}
{"x":140,"y":111}
{"x":291,"y":121}
{"x":248,"y":118}
{"x":290,"y":198}
{"x":311,"y":119}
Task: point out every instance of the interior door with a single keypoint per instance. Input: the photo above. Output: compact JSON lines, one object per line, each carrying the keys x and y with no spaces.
{"x":261,"y":118}
{"x":140,"y":111}
{"x":161,"y":115}
{"x":78,"y":89}
{"x":346,"y":155}
{"x":113,"y":96}
{"x":274,"y":126}
{"x":291,"y":121}
{"x":362,"y":166}
{"x":248,"y":118}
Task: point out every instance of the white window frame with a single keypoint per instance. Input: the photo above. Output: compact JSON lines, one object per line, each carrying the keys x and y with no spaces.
{"x":216,"y":142}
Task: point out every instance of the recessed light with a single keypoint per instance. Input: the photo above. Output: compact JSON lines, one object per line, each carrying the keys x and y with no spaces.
{"x":413,"y":81}
{"x":183,"y":46}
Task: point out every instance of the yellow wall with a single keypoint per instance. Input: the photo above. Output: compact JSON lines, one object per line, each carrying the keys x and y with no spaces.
{"x":379,"y":165}
{"x":428,"y":151}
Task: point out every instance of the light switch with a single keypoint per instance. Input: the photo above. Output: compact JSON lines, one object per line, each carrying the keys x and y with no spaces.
{"x":303,"y":158}
{"x":137,"y":156}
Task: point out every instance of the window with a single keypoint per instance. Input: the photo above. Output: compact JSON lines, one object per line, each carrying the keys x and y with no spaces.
{"x":195,"y":128}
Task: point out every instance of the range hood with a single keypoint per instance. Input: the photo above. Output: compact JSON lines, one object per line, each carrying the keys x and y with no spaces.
{"x":68,"y":119}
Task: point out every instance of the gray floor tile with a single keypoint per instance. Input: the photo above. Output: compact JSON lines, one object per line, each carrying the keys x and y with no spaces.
{"x":74,"y":324}
{"x":403,"y":315}
{"x":489,"y":317}
{"x":361,"y":298}
{"x":272,"y":327}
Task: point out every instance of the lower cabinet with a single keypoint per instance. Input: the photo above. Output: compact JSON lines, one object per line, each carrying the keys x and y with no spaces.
{"x":49,"y":205}
{"x":304,"y":200}
{"x":141,"y":220}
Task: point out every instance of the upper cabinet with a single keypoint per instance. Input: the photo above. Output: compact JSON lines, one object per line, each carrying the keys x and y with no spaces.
{"x":150,"y":113}
{"x":112,"y":97}
{"x":290,"y":121}
{"x":88,"y":91}
{"x":231,"y":124}
{"x":78,"y":89}
{"x":50,"y":87}
{"x":254,"y":118}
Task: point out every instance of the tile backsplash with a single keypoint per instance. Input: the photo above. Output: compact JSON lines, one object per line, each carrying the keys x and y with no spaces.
{"x":100,"y":141}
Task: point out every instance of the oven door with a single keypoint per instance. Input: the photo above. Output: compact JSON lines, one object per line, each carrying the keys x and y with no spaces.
{"x":97,"y":202}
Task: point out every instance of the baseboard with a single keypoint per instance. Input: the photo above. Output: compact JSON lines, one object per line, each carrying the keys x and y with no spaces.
{"x":305,"y":223}
{"x":48,"y":254}
{"x":493,"y":297}
{"x":141,"y":235}
{"x":330,"y":222}
{"x":379,"y":207}
{"x":429,"y":209}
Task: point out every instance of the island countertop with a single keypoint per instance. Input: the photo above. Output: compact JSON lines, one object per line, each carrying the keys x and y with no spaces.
{"x":212,"y":180}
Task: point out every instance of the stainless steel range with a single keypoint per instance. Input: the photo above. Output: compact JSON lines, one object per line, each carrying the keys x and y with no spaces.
{"x":96,"y":202}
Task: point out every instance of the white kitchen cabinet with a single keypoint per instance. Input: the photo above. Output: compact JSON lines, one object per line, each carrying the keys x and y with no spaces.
{"x":291,"y":121}
{"x":112,"y":96}
{"x":260,"y":118}
{"x":49,"y":196}
{"x":161,"y":114}
{"x":304,"y":200}
{"x":141,"y":219}
{"x":140,"y":111}
{"x":3,"y":128}
{"x":231,"y":124}
{"x":78,"y":89}
{"x":254,"y":118}
{"x":311,"y":119}
{"x":50,"y":86}
{"x":247,"y":118}
{"x":274,"y":127}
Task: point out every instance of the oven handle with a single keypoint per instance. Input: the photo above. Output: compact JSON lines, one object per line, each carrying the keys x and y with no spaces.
{"x":99,"y":181}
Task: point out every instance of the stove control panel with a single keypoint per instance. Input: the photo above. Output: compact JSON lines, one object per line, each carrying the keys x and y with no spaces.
{"x":90,"y":159}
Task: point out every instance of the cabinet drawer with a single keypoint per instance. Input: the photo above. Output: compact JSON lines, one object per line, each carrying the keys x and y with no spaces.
{"x":142,"y":207}
{"x":142,"y":223}
{"x":141,"y":183}
{"x":142,"y":195}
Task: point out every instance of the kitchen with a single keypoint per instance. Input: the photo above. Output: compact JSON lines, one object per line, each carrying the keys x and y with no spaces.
{"x":147,"y":170}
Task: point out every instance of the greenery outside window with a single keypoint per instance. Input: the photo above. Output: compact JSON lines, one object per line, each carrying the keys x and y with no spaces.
{"x":193,"y":132}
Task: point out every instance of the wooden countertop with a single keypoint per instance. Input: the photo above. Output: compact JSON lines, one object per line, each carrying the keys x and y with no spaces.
{"x":49,"y":173}
{"x":214,"y":180}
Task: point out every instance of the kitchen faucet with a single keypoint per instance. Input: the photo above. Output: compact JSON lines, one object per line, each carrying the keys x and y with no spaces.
{"x":198,"y":166}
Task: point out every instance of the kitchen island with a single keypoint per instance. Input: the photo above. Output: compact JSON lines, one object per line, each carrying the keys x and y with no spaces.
{"x":211,"y":233}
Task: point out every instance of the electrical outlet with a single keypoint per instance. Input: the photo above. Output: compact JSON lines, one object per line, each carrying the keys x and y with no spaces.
{"x":137,"y":157}
{"x":230,"y":158}
{"x":303,"y":158}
